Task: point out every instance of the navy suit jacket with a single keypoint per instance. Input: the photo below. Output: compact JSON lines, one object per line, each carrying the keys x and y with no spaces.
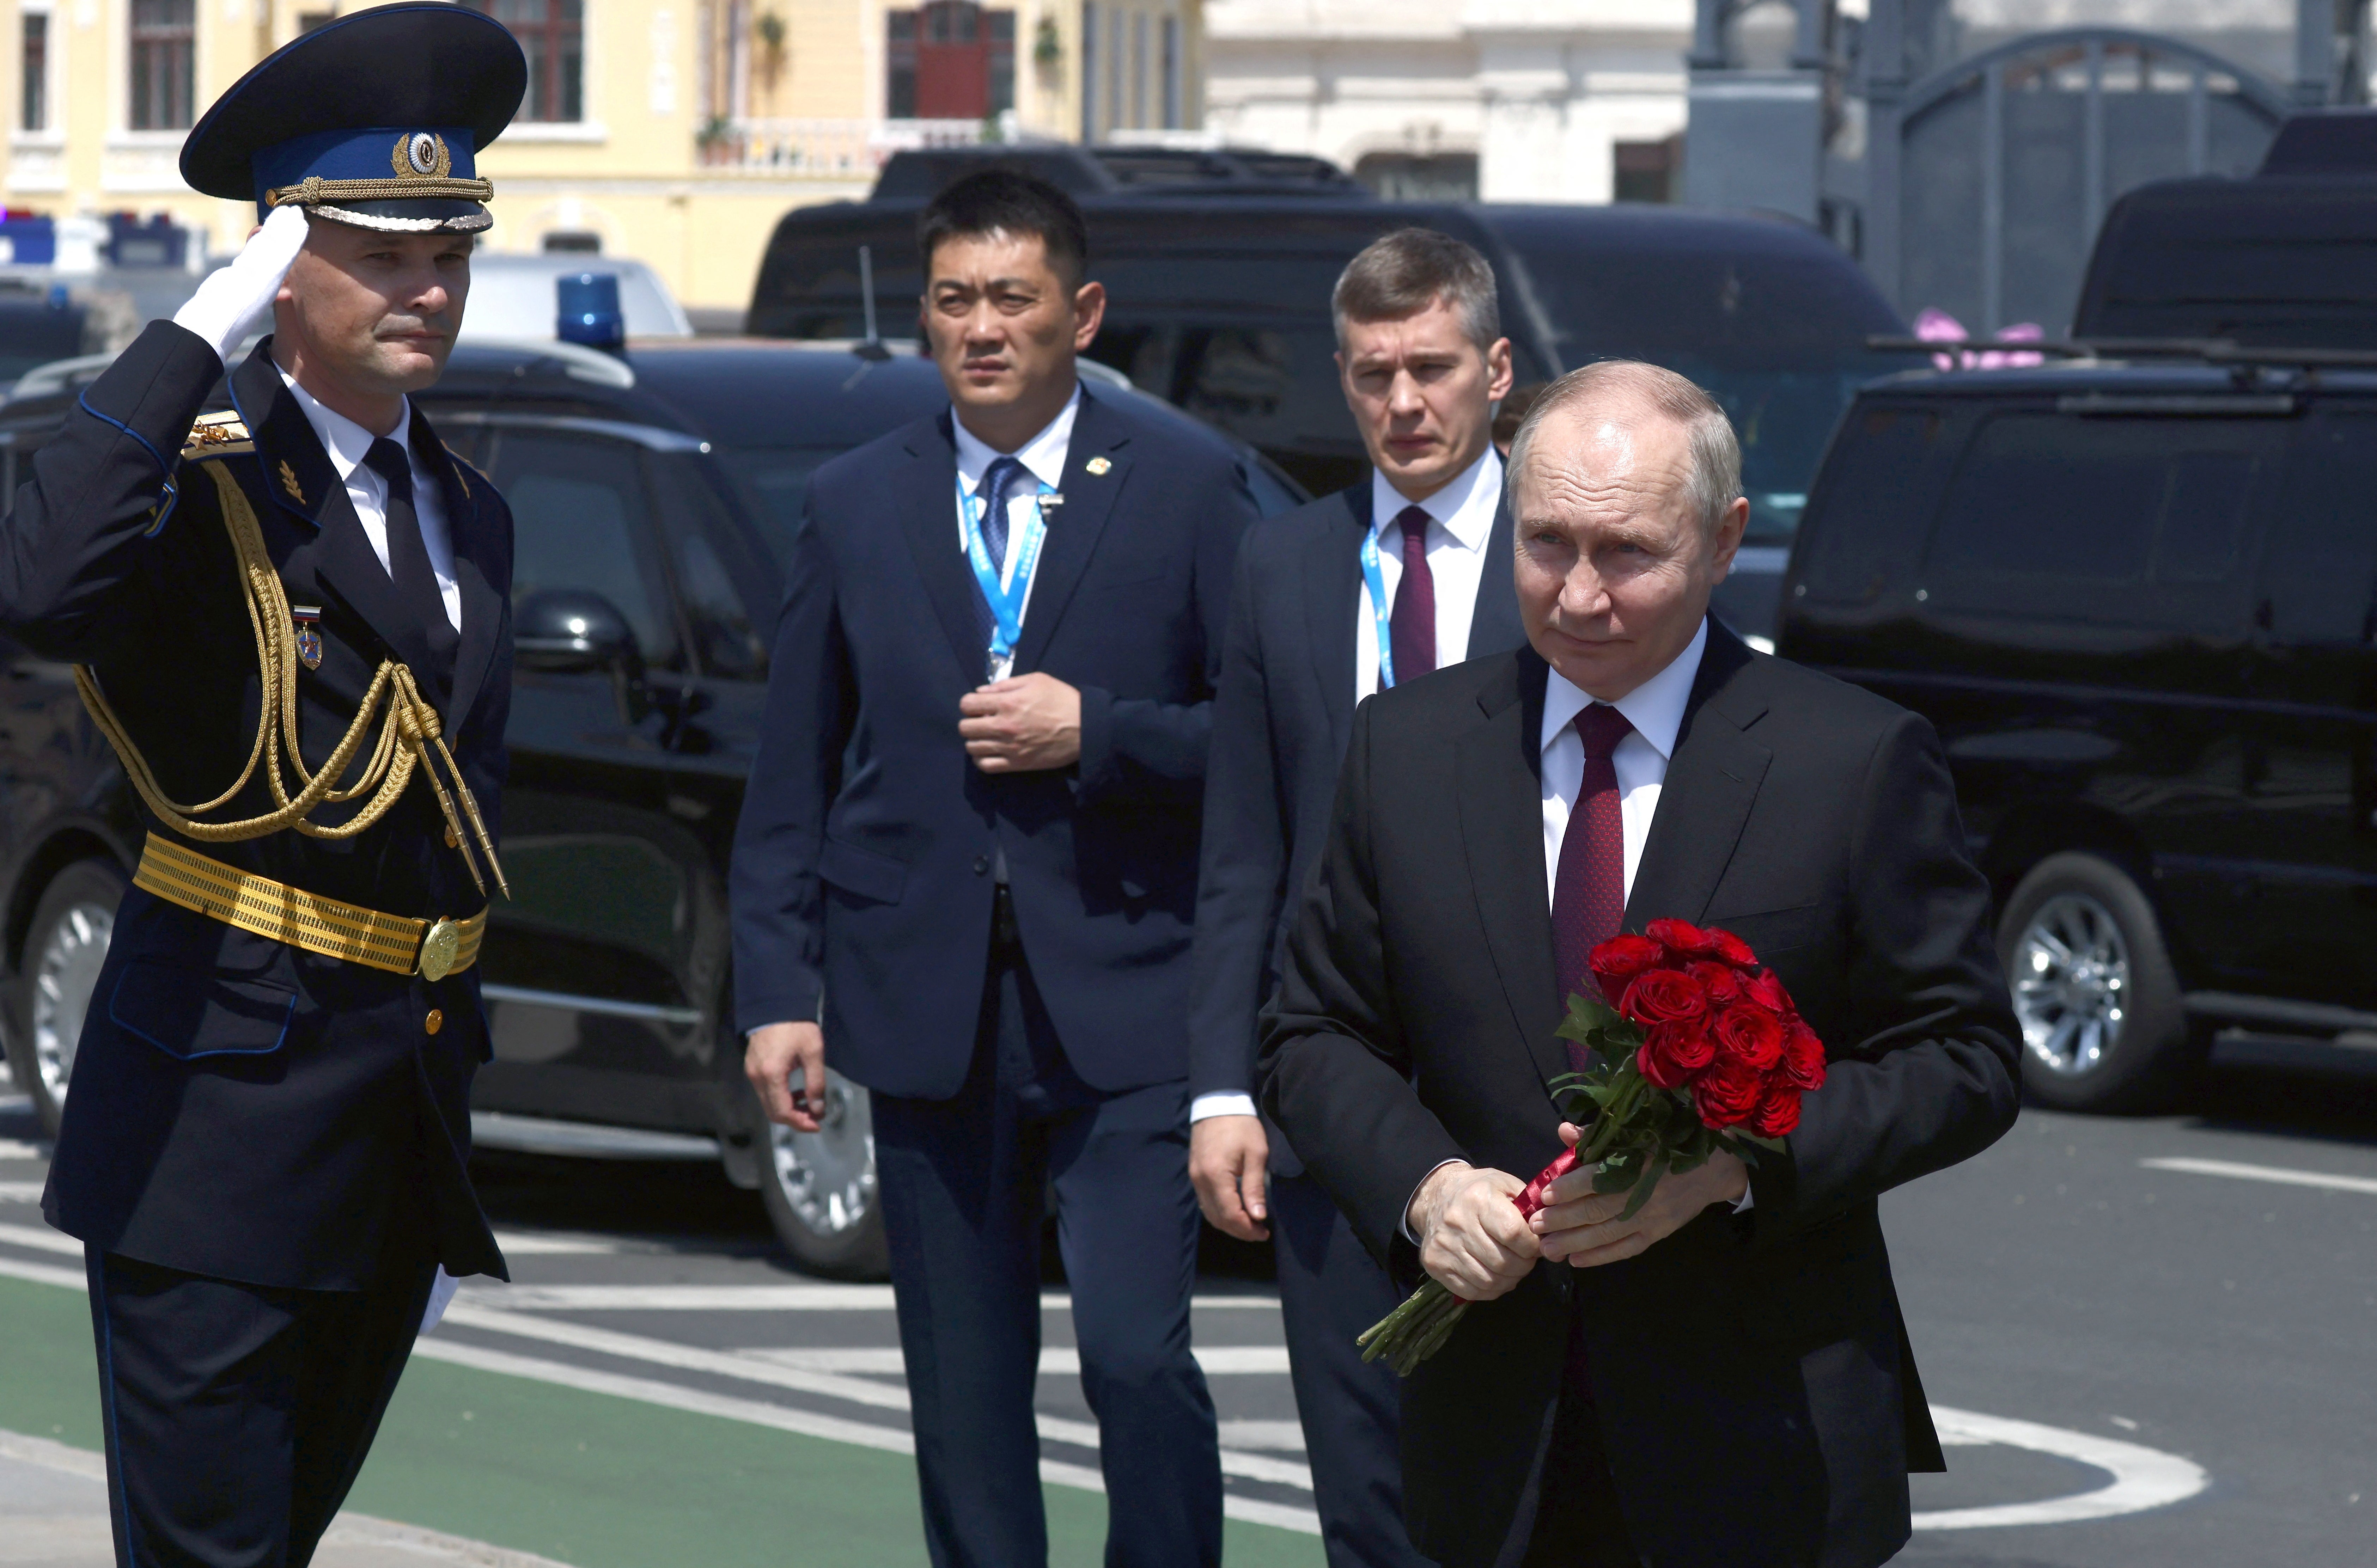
{"x":862,"y":879}
{"x":1281,"y":720}
{"x":242,"y":1109}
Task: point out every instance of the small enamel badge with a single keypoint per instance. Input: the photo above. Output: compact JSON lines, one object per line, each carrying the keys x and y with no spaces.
{"x":1097,"y":465}
{"x":303,"y":618}
{"x":289,"y":483}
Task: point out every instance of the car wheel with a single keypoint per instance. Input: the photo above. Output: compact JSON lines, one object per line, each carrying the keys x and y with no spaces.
{"x":2102,"y":1026}
{"x":820,"y":1187}
{"x":63,"y":954}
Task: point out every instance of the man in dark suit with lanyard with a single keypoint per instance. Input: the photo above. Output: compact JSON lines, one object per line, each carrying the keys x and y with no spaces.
{"x":1408,"y":570}
{"x":966,"y":874}
{"x":297,"y":613}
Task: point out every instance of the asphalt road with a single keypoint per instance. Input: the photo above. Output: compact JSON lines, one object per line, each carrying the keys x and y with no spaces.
{"x":2149,"y":1340}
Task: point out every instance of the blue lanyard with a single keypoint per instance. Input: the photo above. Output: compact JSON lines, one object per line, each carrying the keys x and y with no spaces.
{"x":1381,"y":610}
{"x":1004,"y":594}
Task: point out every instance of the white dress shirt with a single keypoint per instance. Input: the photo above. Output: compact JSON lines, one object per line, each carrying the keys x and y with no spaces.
{"x":1043,"y":457}
{"x":1461,"y":520}
{"x":346,"y":441}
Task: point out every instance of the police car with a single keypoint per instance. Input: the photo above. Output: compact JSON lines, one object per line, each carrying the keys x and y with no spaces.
{"x":654,"y":493}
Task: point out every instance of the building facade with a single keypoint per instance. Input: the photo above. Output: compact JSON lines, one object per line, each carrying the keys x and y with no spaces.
{"x":1492,"y":100}
{"x":675,"y":131}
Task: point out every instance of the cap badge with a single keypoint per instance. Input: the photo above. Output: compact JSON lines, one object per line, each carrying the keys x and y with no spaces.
{"x":1097,"y":465}
{"x":302,"y":617}
{"x":422,"y":156}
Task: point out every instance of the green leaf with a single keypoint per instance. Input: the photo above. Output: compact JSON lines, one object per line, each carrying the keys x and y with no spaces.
{"x":1585,"y":1014}
{"x":1641,"y":1194}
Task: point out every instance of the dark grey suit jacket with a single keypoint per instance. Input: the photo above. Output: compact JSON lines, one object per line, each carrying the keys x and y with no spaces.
{"x":1280,"y":717}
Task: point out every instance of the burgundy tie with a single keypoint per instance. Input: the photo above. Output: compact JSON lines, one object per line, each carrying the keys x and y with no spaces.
{"x":1412,"y":626}
{"x":1589,"y":899}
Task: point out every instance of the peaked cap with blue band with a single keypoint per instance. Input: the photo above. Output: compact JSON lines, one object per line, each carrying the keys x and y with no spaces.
{"x":375,"y":120}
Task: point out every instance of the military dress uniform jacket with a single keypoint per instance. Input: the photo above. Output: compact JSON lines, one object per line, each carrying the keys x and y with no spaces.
{"x":240,"y":1108}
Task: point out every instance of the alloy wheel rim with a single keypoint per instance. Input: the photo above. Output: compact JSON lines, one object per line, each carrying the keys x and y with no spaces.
{"x":2071,"y":984}
{"x":64,"y":976}
{"x":828,"y":1177}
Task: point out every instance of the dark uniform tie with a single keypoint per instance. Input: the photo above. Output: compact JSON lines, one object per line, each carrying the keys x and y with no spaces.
{"x":408,"y":558}
{"x":1410,"y":628}
{"x":1589,"y":899}
{"x":996,"y":489}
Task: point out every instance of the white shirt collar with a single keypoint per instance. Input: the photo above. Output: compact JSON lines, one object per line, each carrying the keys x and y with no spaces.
{"x":1656,"y":707}
{"x":1464,"y":507}
{"x":346,"y":441}
{"x":1042,"y":457}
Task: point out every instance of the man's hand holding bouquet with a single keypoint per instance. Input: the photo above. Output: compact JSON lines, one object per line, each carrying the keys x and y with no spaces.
{"x":1702,"y":1055}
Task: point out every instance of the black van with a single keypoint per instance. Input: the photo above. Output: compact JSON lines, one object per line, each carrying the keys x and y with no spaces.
{"x":1218,"y":302}
{"x":2138,"y":601}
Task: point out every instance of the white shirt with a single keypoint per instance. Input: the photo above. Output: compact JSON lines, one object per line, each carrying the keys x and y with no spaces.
{"x":1461,"y":519}
{"x":346,"y":441}
{"x":1043,"y":457}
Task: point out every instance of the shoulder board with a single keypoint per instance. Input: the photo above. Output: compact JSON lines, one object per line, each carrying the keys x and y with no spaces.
{"x":217,"y":435}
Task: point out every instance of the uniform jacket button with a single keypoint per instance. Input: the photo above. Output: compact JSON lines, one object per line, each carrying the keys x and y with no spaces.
{"x":982,"y":865}
{"x":435,"y":1021}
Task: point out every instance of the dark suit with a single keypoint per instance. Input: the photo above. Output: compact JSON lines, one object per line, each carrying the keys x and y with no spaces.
{"x":246,"y":1113}
{"x":1023,"y":1038}
{"x":1756,"y":1397}
{"x":1280,"y":719}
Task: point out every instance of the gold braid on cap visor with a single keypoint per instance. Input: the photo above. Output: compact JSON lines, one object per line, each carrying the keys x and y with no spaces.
{"x":315,"y":191}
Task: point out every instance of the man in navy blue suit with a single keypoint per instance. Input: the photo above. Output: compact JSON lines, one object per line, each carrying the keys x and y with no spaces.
{"x":1408,"y":570}
{"x":966,"y":874}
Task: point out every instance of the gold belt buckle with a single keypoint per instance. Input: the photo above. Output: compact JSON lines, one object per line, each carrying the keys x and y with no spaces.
{"x":440,"y":948}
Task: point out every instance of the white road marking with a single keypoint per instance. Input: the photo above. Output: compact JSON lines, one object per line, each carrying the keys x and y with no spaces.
{"x":20,"y":1191}
{"x":2142,"y":1478}
{"x":42,"y":1274}
{"x":815,"y":1297}
{"x":17,"y":1148}
{"x":522,"y":1245}
{"x":1218,"y":1361}
{"x":40,"y":1239}
{"x":1279,"y":1437}
{"x":2282,"y":1175}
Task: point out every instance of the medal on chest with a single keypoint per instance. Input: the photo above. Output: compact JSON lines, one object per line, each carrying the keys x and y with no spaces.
{"x":305,"y":619}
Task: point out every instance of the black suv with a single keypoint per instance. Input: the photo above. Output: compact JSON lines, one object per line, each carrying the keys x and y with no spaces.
{"x":653,"y":497}
{"x":2138,"y":602}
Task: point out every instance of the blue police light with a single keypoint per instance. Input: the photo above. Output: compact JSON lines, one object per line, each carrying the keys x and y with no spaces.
{"x":589,"y":310}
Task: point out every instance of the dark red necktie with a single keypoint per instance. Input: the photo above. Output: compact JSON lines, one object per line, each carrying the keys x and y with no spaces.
{"x":1412,"y":625}
{"x":1589,"y":899}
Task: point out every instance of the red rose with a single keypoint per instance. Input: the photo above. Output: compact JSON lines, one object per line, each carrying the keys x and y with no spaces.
{"x":1803,"y":1056}
{"x":1765,"y":988}
{"x":1727,"y":1094}
{"x":1720,"y":980}
{"x":1731,"y":948}
{"x":1682,"y":938}
{"x":1663,"y":996}
{"x":1622,"y":958}
{"x":1672,"y":1053}
{"x":1751,"y":1035}
{"x":1778,"y":1109}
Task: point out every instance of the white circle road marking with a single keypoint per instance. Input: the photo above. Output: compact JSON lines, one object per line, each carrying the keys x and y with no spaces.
{"x":2142,"y":1478}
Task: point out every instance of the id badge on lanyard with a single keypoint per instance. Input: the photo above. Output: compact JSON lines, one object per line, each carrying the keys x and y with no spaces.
{"x":1005,"y":593}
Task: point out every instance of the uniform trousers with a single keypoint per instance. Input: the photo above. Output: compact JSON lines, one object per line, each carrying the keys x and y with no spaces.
{"x":1330,"y":1290}
{"x":965,"y":1181}
{"x":237,"y":1416}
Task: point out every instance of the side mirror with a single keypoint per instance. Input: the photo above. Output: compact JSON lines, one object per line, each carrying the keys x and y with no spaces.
{"x":572,"y":631}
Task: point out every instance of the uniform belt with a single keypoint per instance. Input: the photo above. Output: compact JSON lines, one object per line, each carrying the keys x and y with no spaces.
{"x":399,"y":943}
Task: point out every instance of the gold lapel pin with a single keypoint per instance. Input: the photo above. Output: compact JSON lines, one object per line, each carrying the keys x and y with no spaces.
{"x":1097,"y":465}
{"x":289,"y":482}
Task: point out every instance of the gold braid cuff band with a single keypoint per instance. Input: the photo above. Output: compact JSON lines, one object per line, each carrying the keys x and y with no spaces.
{"x":401,"y":945}
{"x":313,"y":190}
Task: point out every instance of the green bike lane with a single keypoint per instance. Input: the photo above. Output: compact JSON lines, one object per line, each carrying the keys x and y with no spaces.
{"x":593,"y":1479}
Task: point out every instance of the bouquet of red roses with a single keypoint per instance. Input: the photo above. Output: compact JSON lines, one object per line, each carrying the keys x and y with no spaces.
{"x":1702,"y":1052}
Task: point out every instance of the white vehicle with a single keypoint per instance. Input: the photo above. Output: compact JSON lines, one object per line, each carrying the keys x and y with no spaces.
{"x":512,"y":296}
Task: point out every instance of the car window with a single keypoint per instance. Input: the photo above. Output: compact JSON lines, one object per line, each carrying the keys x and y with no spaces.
{"x":1872,"y":501}
{"x":719,"y":586}
{"x":2132,"y":521}
{"x":774,"y":482}
{"x":2320,"y":570}
{"x":580,"y":520}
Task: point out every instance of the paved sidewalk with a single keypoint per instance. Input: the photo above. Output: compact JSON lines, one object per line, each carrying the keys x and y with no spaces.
{"x":53,"y":1515}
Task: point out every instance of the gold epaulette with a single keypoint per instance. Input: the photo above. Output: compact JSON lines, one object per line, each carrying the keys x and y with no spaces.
{"x":217,"y":435}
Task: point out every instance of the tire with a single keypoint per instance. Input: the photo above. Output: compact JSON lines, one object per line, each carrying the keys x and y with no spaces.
{"x":820,"y":1187}
{"x":2102,"y":1026}
{"x":64,"y":950}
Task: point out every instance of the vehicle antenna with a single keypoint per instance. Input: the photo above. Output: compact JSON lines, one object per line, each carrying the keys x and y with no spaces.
{"x":873,"y":348}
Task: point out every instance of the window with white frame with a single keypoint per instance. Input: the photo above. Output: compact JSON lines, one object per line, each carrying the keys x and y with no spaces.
{"x":552,"y":33}
{"x":33,"y":61}
{"x":165,"y":34}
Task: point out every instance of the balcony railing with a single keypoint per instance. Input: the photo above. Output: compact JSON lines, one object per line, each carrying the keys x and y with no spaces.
{"x":822,"y":149}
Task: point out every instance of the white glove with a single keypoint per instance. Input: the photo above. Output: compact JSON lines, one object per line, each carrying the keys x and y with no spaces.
{"x":234,"y":299}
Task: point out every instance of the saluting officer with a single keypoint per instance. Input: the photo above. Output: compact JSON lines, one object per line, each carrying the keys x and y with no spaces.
{"x":293,"y":624}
